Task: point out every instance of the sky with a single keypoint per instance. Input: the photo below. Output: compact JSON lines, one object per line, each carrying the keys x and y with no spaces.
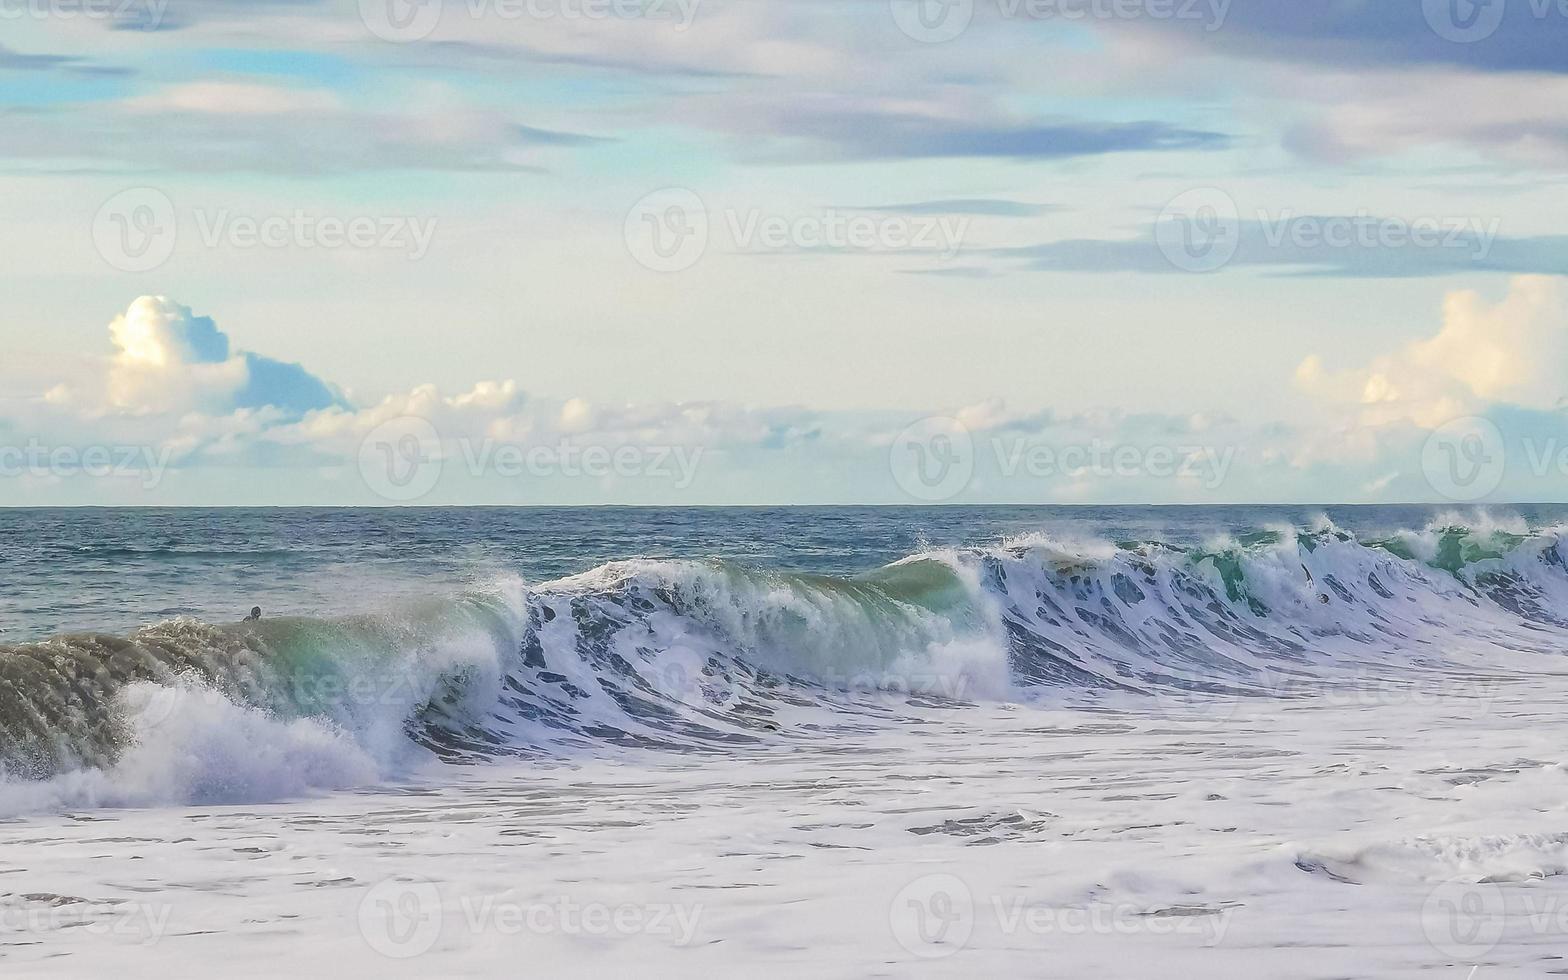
{"x":313,"y":252}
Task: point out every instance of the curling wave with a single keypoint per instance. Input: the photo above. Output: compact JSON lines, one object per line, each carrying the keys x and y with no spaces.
{"x":700,"y":656}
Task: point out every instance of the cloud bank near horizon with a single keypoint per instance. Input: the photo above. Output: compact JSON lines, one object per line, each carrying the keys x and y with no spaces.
{"x":176,"y":389}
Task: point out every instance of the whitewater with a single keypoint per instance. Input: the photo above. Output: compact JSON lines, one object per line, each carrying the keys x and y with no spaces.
{"x":1313,"y":744}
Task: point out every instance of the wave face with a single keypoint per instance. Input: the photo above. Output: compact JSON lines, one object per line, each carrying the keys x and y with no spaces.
{"x":701,"y":656}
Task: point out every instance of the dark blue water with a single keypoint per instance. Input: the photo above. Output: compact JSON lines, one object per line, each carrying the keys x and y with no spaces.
{"x":113,"y":570}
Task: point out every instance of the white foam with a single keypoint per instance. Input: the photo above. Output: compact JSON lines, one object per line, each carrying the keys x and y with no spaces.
{"x":193,"y":746}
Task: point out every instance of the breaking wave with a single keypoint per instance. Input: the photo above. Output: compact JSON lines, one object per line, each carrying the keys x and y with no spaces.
{"x":703,"y":656}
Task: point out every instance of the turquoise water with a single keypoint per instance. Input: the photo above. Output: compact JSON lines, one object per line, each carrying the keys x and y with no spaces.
{"x":392,"y":636}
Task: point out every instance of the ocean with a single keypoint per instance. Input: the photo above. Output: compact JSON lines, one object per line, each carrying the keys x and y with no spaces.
{"x":1284,"y":741}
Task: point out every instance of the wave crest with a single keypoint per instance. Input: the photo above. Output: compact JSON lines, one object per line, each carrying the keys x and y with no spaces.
{"x":699,"y":655}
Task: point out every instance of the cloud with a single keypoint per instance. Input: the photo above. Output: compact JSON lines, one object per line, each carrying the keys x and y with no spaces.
{"x":1511,"y":352}
{"x":1505,"y":35}
{"x":1521,"y":117}
{"x":481,"y":55}
{"x":841,"y":82}
{"x":793,"y":83}
{"x":913,"y":136}
{"x":174,"y":15}
{"x":169,"y":360}
{"x":820,"y":127}
{"x":178,"y":391}
{"x":1349,"y":246}
{"x":176,"y":387}
{"x":1357,"y":79}
{"x":238,"y":98}
{"x":987,"y":207}
{"x":237,"y":126}
{"x":13,"y":60}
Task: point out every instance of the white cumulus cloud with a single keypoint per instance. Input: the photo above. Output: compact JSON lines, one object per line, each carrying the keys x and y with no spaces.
{"x":1511,"y":352}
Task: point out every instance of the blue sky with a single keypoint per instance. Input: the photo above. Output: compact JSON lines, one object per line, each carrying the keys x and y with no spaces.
{"x":783,"y":251}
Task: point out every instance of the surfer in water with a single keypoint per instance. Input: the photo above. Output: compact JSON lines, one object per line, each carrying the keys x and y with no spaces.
{"x":255,"y":615}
